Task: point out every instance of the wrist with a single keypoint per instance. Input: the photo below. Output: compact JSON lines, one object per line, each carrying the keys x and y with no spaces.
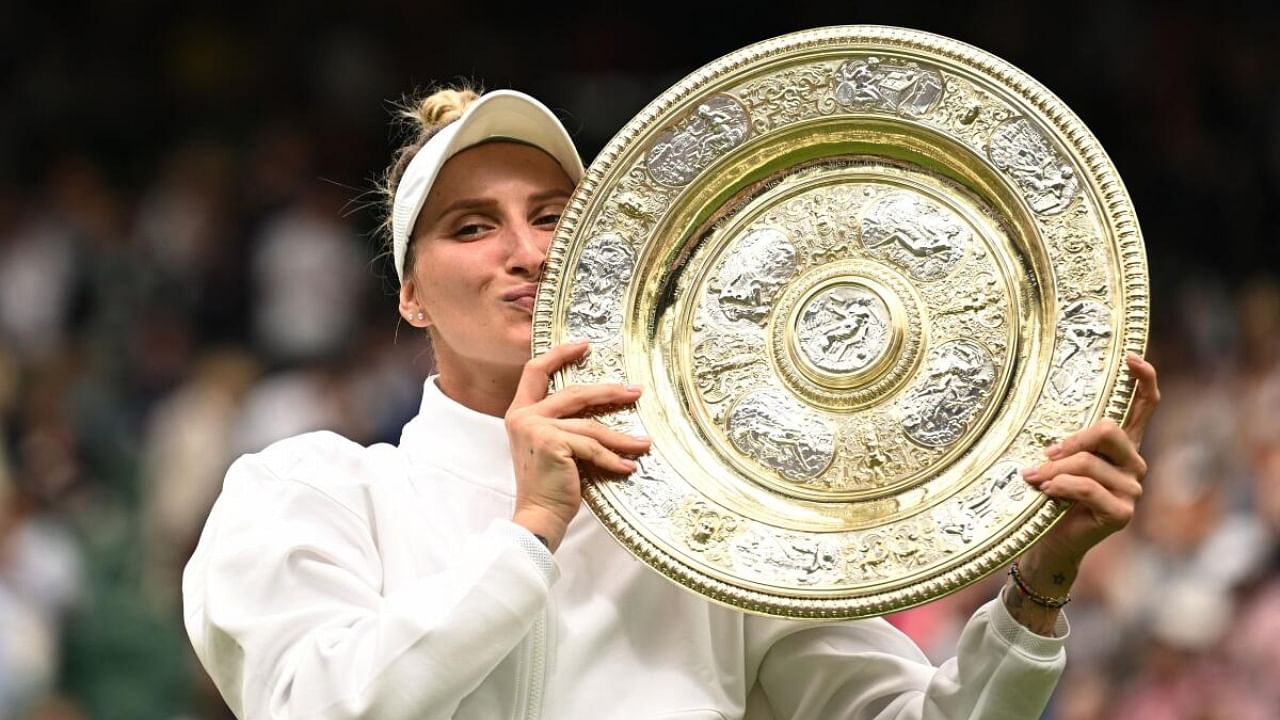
{"x":545,"y":526}
{"x":1048,"y":575}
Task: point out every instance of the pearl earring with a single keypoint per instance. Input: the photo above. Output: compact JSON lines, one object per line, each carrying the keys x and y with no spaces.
{"x":421,"y":315}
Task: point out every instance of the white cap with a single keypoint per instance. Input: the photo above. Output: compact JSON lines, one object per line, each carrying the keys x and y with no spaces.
{"x":501,"y":114}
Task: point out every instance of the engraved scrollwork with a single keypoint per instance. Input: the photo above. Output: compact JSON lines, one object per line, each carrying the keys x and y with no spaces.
{"x":1084,"y":334}
{"x":1046,"y":180}
{"x":705,"y":530}
{"x":779,"y":433}
{"x":604,"y":268}
{"x":893,"y":550}
{"x":789,"y":96}
{"x":916,"y":234}
{"x":751,"y":274}
{"x":959,"y":376}
{"x":635,"y":208}
{"x":715,"y":127}
{"x":905,"y":88}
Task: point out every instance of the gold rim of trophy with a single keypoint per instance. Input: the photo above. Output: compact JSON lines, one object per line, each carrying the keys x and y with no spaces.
{"x":865,"y":274}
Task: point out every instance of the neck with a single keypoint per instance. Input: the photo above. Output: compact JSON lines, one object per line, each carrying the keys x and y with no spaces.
{"x":482,"y":387}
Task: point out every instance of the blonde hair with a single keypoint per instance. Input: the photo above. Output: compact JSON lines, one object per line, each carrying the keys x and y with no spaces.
{"x":424,"y":116}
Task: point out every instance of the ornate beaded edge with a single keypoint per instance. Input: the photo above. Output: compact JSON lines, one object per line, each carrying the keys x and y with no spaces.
{"x":1115,"y":209}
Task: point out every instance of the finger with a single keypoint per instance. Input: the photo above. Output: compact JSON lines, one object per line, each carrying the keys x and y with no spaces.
{"x":574,"y":399}
{"x":591,"y":451}
{"x":1087,"y":465}
{"x":1103,"y":438}
{"x":612,"y":439}
{"x":1146,"y":396}
{"x":538,"y":371}
{"x":1111,"y":511}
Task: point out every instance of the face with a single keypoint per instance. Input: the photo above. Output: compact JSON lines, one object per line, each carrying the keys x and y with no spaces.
{"x":478,"y":251}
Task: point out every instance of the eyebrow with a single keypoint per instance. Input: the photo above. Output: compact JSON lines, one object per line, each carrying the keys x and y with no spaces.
{"x":484,"y":202}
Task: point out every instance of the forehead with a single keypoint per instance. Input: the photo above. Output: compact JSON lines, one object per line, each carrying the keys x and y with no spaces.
{"x":493,"y":169}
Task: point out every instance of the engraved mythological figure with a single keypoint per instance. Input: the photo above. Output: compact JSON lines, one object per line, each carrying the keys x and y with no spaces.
{"x":604,"y":268}
{"x":872,"y":83}
{"x":781,"y":434}
{"x":718,"y":359}
{"x":958,"y":379}
{"x":651,"y":495}
{"x":705,"y":530}
{"x":712,"y":129}
{"x":967,"y":517}
{"x":1084,"y":333}
{"x":980,"y":300}
{"x":872,"y":460}
{"x":915,"y":234}
{"x":751,"y":273}
{"x":799,"y":559}
{"x":968,"y":112}
{"x":1046,"y":180}
{"x":844,"y":328}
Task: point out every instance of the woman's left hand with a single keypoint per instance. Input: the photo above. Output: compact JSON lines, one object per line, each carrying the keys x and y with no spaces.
{"x":1100,"y":471}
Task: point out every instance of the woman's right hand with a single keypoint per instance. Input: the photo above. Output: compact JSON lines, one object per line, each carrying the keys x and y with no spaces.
{"x":548,"y":438}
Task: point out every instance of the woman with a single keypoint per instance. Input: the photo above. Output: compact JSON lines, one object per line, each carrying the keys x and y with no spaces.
{"x":454,"y":576}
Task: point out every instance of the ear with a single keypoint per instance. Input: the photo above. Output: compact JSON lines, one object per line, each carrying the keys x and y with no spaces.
{"x":410,"y":308}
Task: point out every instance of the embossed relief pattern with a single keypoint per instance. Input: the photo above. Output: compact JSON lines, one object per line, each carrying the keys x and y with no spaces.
{"x":1047,"y":181}
{"x":1084,"y":335}
{"x":713,"y":128}
{"x":895,"y":86}
{"x":959,"y":377}
{"x":844,"y":329}
{"x":775,"y":430}
{"x":788,"y":96}
{"x":604,"y":269}
{"x":748,"y":279}
{"x":916,"y":234}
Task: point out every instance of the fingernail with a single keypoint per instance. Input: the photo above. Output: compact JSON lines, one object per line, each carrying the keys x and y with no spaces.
{"x":1053,"y":451}
{"x":633,"y":388}
{"x":644,"y":438}
{"x":1030,"y":473}
{"x":629,"y":464}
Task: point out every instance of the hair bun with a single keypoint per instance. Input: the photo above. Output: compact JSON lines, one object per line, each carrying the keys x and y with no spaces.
{"x":442,"y":107}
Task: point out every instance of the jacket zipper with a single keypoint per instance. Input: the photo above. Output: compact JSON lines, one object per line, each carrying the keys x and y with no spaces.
{"x":539,"y":652}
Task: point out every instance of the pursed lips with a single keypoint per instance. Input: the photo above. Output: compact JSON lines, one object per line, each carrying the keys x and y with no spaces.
{"x":522,"y":296}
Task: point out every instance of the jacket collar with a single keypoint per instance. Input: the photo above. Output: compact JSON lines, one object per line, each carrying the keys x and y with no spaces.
{"x":459,"y":440}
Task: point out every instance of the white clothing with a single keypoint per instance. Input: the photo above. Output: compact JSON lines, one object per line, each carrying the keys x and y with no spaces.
{"x":339,"y":581}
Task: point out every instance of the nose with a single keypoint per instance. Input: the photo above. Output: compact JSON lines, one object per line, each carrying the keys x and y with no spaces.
{"x":528,"y":251}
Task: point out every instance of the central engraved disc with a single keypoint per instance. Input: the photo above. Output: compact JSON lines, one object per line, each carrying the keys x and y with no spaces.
{"x":842,"y":331}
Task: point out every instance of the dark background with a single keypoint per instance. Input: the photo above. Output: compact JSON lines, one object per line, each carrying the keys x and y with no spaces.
{"x":153,"y":154}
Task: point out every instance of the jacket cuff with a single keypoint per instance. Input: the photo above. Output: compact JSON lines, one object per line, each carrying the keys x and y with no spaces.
{"x":533,"y":548}
{"x":1020,"y":637}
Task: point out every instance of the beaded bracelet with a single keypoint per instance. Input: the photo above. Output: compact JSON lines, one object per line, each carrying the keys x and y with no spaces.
{"x":1032,"y":595}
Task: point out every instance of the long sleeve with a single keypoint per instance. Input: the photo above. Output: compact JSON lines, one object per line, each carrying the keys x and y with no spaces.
{"x":869,"y":670}
{"x":285,"y":608}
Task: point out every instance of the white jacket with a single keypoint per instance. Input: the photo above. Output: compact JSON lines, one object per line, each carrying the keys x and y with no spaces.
{"x":338,"y":581}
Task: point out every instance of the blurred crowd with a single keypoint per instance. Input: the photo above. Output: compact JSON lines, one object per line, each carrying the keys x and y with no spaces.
{"x":188,"y":271}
